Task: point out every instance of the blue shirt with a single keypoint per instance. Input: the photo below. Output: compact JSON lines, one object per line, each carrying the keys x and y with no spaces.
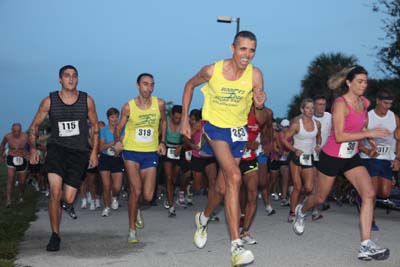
{"x":108,"y":136}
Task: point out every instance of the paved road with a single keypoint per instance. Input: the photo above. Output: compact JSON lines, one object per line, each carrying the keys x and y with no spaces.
{"x":95,"y":241}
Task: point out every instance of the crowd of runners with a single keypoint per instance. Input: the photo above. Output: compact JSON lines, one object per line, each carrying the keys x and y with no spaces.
{"x":232,"y":149}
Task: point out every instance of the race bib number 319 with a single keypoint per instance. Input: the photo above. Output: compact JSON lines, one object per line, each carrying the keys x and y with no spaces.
{"x":68,"y":128}
{"x":144,"y":135}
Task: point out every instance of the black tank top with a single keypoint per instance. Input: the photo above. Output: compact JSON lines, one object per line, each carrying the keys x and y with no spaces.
{"x":69,"y":123}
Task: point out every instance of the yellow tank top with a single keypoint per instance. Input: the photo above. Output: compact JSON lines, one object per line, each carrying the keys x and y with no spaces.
{"x":227,"y":103}
{"x":141,"y":129}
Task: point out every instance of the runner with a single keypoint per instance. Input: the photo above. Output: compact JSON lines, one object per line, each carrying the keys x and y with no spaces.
{"x":306,"y":134}
{"x":17,"y":142}
{"x":142,"y":117}
{"x":379,"y":154}
{"x":232,"y":86}
{"x":340,"y":154}
{"x":325,"y":118}
{"x":283,"y":165}
{"x":67,"y":146}
{"x":111,"y":166}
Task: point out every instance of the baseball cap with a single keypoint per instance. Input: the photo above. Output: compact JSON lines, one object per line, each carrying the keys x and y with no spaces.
{"x":285,"y":123}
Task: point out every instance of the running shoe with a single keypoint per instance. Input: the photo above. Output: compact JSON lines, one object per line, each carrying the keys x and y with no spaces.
{"x":291,"y":216}
{"x":370,"y":250}
{"x":114,"y":203}
{"x":270,"y":211}
{"x":214,"y":217}
{"x":189,"y":194}
{"x":54,"y":243}
{"x":285,"y":202}
{"x":171,"y":212}
{"x":325,"y":206}
{"x":132,"y":238}
{"x":275,"y":196}
{"x":139,"y":220}
{"x":84,"y":203}
{"x":181,"y":200}
{"x":200,"y":235}
{"x":97,"y":203}
{"x":374,"y":227}
{"x":299,"y":220}
{"x":241,"y":256}
{"x":69,"y":209}
{"x":316,"y":215}
{"x":166,"y":204}
{"x":92,"y":205}
{"x":248,"y":239}
{"x":106,"y":212}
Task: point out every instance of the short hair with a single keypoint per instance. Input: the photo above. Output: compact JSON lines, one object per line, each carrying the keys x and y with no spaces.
{"x":318,"y":97}
{"x":196,"y":113}
{"x":176,"y":109}
{"x":145,"y":74}
{"x":66,"y":67}
{"x":305,"y":102}
{"x":384,"y":92}
{"x":244,"y":34}
{"x":112,"y":111}
{"x":16,"y":124}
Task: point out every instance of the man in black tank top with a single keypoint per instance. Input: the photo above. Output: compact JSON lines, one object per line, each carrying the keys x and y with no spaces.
{"x":68,"y":152}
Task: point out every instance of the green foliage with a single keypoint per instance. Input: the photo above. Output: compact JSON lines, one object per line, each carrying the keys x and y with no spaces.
{"x":14,"y":220}
{"x":389,"y":55}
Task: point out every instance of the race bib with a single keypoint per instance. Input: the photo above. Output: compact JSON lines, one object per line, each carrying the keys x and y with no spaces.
{"x":348,"y":150}
{"x":283,"y":157}
{"x":144,"y":135}
{"x":68,"y":128}
{"x":171,"y":153}
{"x":110,"y":151}
{"x":239,"y":134}
{"x":188,"y":155}
{"x":247,"y":153}
{"x":18,"y":161}
{"x":306,"y":159}
{"x":384,"y":152}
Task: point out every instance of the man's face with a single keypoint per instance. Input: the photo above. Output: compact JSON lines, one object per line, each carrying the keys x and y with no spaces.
{"x":384,"y":105}
{"x":243,"y":52}
{"x":16,"y":131}
{"x":320,"y":107}
{"x":146,"y":86}
{"x":69,"y":79}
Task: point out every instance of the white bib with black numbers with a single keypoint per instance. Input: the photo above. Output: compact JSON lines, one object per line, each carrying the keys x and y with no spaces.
{"x":247,"y":153}
{"x":111,"y":151}
{"x":305,"y":159}
{"x":18,"y":161}
{"x":144,"y":135}
{"x":188,"y":155}
{"x":384,"y":152}
{"x":348,"y":149}
{"x":171,"y":153}
{"x":239,"y":134}
{"x":68,"y":128}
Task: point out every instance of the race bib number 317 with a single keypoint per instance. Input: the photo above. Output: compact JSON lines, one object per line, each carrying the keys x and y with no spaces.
{"x":68,"y":128}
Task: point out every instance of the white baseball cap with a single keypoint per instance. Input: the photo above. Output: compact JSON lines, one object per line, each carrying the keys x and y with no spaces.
{"x":285,"y":123}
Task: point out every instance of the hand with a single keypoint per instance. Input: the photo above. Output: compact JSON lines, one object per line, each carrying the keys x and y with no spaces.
{"x":34,"y":156}
{"x":185,"y":129}
{"x":177,"y":151}
{"x":396,"y":165}
{"x":118,"y":147}
{"x":93,"y":160}
{"x":259,"y":97}
{"x":317,"y":149}
{"x":161,"y":150}
{"x":379,"y":132}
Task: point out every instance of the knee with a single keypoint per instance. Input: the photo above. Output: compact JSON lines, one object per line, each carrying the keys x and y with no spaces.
{"x":234,"y":180}
{"x":220,"y":190}
{"x":368,"y":195}
{"x":308,"y":189}
{"x":56,"y":194}
{"x":252,"y":196}
{"x":319,"y":199}
{"x":148,"y":197}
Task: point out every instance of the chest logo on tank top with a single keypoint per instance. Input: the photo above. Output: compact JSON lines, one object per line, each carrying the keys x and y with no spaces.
{"x":68,"y":128}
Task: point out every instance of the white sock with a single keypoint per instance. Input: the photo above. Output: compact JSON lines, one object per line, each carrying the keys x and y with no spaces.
{"x":365,"y":242}
{"x":268,"y":207}
{"x":235,"y":243}
{"x":203,"y":219}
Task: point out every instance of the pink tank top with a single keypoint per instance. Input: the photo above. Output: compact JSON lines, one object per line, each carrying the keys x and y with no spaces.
{"x":353,"y":123}
{"x":196,"y":140}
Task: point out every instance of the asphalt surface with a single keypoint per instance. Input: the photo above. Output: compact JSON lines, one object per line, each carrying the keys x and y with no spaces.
{"x":92,"y":240}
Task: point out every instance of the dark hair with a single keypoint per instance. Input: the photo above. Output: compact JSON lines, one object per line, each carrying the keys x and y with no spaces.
{"x":112,"y":111}
{"x":384,"y":92}
{"x":16,"y":124}
{"x":354,"y":71}
{"x":196,"y":113}
{"x":66,"y":67}
{"x":176,"y":109}
{"x":318,"y":97}
{"x":245,"y":34}
{"x":143,"y":75}
{"x":338,"y":81}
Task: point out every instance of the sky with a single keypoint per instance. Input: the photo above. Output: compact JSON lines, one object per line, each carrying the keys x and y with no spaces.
{"x":112,"y":42}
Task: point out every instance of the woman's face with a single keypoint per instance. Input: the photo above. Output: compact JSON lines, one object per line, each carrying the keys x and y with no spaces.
{"x":113,"y":119}
{"x":358,"y":85}
{"x":192,"y":120}
{"x":308,"y":110}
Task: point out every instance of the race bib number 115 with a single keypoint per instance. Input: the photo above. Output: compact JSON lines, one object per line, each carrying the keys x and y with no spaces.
{"x":68,"y":128}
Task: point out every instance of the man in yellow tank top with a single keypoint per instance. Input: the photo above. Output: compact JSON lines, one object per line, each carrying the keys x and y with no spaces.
{"x":232,"y":86}
{"x":142,"y":117}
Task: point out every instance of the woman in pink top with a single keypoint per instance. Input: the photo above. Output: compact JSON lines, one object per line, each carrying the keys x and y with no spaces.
{"x":340,"y":154}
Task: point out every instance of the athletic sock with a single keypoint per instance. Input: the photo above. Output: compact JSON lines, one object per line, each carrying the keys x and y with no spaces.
{"x":203,"y":219}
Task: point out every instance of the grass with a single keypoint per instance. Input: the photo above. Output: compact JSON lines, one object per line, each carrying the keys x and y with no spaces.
{"x":14,"y":221}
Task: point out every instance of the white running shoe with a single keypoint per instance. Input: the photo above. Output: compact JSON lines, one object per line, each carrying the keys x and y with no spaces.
{"x":97,"y":203}
{"x":106,"y":212}
{"x":132,"y":237}
{"x":241,"y":256}
{"x":139,"y":220}
{"x":84,"y":203}
{"x":369,"y":250}
{"x":92,"y":205}
{"x":299,"y":220}
{"x":200,"y":235}
{"x":114,"y":203}
{"x":248,"y":239}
